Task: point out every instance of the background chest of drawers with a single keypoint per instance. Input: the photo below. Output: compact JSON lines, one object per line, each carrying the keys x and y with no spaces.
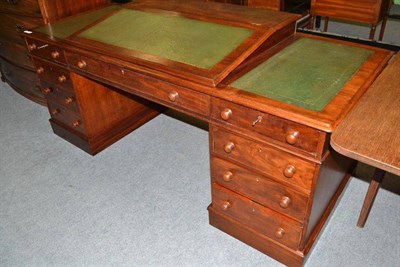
{"x":293,"y":6}
{"x":16,"y":65}
{"x":16,"y":16}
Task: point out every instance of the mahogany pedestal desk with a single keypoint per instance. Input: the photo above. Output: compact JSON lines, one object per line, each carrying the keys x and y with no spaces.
{"x":370,"y":133}
{"x":271,"y":97}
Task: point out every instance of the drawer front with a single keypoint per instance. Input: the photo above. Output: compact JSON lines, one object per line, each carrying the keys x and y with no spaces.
{"x":270,"y":4}
{"x":62,"y":96}
{"x":12,"y":26}
{"x":16,"y":53}
{"x":63,"y":115}
{"x":46,"y":50}
{"x":161,"y":92}
{"x":24,"y":81}
{"x":21,"y":7}
{"x":259,"y":188}
{"x":52,"y":73}
{"x":274,"y":163}
{"x":263,"y":220}
{"x":288,"y":133}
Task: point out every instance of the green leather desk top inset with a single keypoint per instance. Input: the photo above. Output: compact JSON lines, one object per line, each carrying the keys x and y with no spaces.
{"x":193,"y":42}
{"x":308,"y":73}
{"x":69,"y":26}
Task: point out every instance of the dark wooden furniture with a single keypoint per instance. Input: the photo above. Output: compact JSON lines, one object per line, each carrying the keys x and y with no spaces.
{"x":15,"y":64}
{"x":275,"y":179}
{"x":362,"y":11}
{"x":293,"y":6}
{"x":15,"y":16}
{"x":370,"y":133}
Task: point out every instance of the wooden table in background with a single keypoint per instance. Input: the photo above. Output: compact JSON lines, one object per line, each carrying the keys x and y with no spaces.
{"x":370,"y":134}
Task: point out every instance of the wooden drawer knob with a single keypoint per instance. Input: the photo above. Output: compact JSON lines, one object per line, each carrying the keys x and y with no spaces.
{"x":55,"y":54}
{"x":229,"y":147}
{"x":226,"y":114}
{"x":31,"y":47}
{"x":40,"y":70}
{"x":82,"y":64}
{"x":69,"y":100}
{"x":285,"y":201}
{"x":279,"y":233}
{"x":291,"y":138}
{"x":289,"y":171}
{"x":62,"y":78}
{"x":226,"y":205}
{"x":55,"y":111}
{"x":76,"y":123}
{"x":47,"y":90}
{"x":227,"y":176}
{"x":173,"y":96}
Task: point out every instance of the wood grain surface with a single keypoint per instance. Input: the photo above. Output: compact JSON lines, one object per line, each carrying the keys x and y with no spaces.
{"x":370,"y":133}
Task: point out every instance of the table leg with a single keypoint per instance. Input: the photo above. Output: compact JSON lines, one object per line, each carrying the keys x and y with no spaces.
{"x":370,"y":197}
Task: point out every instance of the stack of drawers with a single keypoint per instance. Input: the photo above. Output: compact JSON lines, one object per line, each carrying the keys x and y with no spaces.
{"x":57,"y":86}
{"x":264,"y":172}
{"x":86,"y":113}
{"x":16,"y":65}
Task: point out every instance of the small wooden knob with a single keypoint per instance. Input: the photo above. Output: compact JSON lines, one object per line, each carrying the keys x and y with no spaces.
{"x":31,"y":46}
{"x":173,"y":96}
{"x":82,"y":64}
{"x":227,"y":176}
{"x":229,"y":147}
{"x":76,"y":123}
{"x":40,"y":70}
{"x":55,"y":111}
{"x":47,"y":90}
{"x":285,"y":201}
{"x":289,"y":171}
{"x":291,"y":138}
{"x":69,"y":100}
{"x":62,"y":78}
{"x":226,"y":205}
{"x":55,"y":54}
{"x":279,"y":233}
{"x":226,"y":114}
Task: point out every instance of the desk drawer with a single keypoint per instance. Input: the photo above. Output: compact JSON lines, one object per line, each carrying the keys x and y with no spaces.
{"x":279,"y":165}
{"x":65,"y":116}
{"x":24,"y":81}
{"x":52,"y":73}
{"x":259,"y":188}
{"x":261,"y":219}
{"x":158,"y":91}
{"x":63,"y":97}
{"x":16,"y":53}
{"x":45,"y":50}
{"x":287,"y":132}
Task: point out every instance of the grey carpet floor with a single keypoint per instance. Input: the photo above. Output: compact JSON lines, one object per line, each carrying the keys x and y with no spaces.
{"x":142,"y":201}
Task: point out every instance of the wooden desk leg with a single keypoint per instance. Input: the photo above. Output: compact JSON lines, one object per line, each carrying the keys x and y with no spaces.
{"x":326,"y":24}
{"x":372,"y":32}
{"x":311,"y":26}
{"x":370,"y":197}
{"x":385,"y":17}
{"x":383,"y":26}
